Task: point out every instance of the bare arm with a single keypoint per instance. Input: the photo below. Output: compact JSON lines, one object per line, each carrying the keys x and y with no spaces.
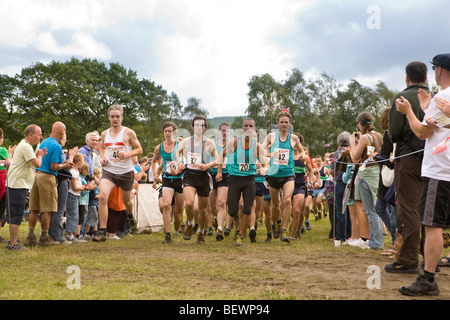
{"x":36,"y":162}
{"x":297,"y":145}
{"x":356,"y":150}
{"x":134,"y":142}
{"x":104,"y":161}
{"x":155,"y":156}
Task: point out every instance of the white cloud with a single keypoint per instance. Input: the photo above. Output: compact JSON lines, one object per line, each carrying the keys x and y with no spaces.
{"x":32,"y":23}
{"x":217,"y":46}
{"x":82,"y":44}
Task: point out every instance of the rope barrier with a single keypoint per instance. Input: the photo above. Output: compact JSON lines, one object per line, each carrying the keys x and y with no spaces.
{"x":386,"y":160}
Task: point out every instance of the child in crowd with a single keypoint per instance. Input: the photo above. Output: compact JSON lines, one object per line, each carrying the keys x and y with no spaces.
{"x":117,"y":215}
{"x":73,"y":199}
{"x":92,"y":220}
{"x":84,"y":199}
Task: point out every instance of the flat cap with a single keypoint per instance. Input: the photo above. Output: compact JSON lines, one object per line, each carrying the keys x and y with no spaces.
{"x":442,"y":60}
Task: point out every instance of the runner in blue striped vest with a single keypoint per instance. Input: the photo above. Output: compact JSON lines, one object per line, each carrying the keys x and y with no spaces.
{"x":197,"y":150}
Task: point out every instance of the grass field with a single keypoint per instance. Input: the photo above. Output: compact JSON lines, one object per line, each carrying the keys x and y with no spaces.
{"x":142,"y":268}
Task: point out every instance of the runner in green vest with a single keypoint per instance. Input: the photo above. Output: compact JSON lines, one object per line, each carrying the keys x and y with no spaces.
{"x":241,"y":154}
{"x":281,"y":146}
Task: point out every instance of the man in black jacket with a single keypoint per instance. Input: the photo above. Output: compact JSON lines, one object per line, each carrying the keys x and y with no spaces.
{"x":408,"y":170}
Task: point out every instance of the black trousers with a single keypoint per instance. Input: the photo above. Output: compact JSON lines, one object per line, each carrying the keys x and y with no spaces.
{"x":237,"y":186}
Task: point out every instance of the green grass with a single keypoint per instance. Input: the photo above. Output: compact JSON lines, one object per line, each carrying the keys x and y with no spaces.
{"x":142,"y":268}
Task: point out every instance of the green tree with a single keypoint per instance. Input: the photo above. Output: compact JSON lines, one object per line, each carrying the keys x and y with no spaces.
{"x":8,"y":116}
{"x":79,"y":93}
{"x":321,"y":107}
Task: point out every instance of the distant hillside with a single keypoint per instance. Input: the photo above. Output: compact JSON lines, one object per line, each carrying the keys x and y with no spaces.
{"x":215,"y":122}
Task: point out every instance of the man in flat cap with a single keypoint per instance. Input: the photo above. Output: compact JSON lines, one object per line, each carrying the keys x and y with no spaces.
{"x":435,"y":204}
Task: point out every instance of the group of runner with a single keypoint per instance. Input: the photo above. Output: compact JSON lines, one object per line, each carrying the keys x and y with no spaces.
{"x":231,"y":179}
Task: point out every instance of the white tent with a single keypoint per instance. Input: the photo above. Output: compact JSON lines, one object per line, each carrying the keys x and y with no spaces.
{"x":146,"y":209}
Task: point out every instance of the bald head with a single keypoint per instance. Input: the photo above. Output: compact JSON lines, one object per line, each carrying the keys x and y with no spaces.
{"x":58,"y":130}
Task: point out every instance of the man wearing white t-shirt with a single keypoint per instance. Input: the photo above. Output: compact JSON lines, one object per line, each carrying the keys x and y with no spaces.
{"x":435,"y":204}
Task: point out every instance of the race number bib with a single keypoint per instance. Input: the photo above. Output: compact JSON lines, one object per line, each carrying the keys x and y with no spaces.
{"x":112,"y":153}
{"x":281,"y":157}
{"x":171,"y":165}
{"x":193,"y":160}
{"x":244,"y":166}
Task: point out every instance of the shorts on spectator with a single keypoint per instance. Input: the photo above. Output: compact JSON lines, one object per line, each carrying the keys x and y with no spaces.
{"x":44,"y":193}
{"x":17,"y":203}
{"x":435,"y":203}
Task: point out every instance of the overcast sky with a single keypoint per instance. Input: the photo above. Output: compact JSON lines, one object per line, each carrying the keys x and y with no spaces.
{"x":210,"y":49}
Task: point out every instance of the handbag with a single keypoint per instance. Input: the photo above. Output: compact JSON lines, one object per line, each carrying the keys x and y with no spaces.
{"x":387,"y":174}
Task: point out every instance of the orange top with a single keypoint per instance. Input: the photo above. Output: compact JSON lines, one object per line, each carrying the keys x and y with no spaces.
{"x":115,"y":200}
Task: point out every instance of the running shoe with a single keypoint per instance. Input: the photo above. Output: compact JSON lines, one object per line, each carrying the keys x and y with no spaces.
{"x":307,"y":225}
{"x":219,"y":235}
{"x":167,"y":239}
{"x":200,"y":237}
{"x":277,"y":230}
{"x":284,"y":237}
{"x":188,"y":233}
{"x":252,"y":235}
{"x":239,"y":241}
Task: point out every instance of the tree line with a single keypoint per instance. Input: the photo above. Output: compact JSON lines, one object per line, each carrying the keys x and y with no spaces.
{"x":79,"y":92}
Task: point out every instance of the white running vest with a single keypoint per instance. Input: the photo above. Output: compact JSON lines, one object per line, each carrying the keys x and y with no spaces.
{"x":113,"y":146}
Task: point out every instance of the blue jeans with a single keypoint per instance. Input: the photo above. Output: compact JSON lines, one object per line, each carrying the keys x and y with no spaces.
{"x":393,"y":213}
{"x":382,"y":210}
{"x":368,"y":188}
{"x":72,"y":213}
{"x":56,"y":230}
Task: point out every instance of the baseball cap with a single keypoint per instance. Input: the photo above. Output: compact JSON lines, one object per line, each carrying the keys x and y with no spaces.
{"x":442,"y":60}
